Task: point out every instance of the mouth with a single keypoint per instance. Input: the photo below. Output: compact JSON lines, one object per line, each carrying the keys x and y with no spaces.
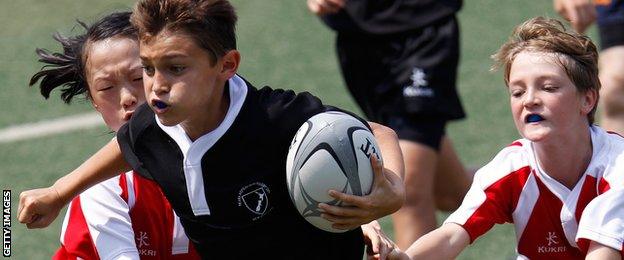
{"x":159,"y":106}
{"x":533,"y":118}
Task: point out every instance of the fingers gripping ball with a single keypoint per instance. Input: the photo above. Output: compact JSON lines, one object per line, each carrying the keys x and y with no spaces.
{"x":330,"y":151}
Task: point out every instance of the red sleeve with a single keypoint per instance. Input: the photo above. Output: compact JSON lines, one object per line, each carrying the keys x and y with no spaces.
{"x":76,"y":240}
{"x":494,"y":193}
{"x":500,"y":201}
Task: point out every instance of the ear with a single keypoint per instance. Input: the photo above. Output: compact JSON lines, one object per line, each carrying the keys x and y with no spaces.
{"x":93,"y":104}
{"x":229,"y":64}
{"x":589,"y":101}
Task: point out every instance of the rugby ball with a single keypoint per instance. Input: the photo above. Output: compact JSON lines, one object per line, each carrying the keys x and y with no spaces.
{"x":330,"y":151}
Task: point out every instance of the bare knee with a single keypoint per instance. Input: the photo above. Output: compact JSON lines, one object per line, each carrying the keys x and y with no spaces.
{"x":418,"y":198}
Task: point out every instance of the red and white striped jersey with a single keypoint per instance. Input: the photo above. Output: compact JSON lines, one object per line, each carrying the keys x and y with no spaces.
{"x":126,"y":217}
{"x":513,"y":188}
{"x":603,"y":221}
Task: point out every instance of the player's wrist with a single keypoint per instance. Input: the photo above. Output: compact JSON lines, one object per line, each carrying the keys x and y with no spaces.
{"x":60,"y":194}
{"x":396,"y":198}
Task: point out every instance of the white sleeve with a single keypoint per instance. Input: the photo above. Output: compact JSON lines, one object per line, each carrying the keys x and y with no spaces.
{"x":603,"y":220}
{"x":108,"y":219}
{"x":124,"y":256}
{"x":489,"y":198}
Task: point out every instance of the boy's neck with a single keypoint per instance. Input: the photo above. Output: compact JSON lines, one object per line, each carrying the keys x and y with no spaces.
{"x":567,"y":158}
{"x":209,"y":119}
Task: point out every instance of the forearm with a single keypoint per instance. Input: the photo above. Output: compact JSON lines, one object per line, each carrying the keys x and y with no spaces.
{"x":104,"y":164}
{"x":388,"y":143}
{"x":598,"y":251}
{"x":446,"y":242}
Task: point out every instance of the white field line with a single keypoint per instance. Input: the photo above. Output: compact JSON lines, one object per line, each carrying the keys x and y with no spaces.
{"x":50,"y":127}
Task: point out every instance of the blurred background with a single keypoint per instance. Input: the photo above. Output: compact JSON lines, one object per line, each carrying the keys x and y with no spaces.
{"x":283,"y":46}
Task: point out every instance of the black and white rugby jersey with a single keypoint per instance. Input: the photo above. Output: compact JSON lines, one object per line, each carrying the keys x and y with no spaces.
{"x":229,"y":186}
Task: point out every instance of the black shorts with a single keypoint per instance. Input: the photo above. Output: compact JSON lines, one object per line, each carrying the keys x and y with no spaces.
{"x":427,"y":131}
{"x":611,"y":23}
{"x":410,"y":76}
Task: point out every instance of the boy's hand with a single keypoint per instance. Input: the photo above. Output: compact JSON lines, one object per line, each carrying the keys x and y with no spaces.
{"x":39,"y":207}
{"x":387,"y":196}
{"x":324,"y":7}
{"x":378,"y":245}
{"x":580,"y":13}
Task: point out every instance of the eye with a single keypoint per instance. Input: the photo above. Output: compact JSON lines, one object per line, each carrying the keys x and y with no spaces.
{"x":177,"y":69}
{"x":550,"y":88}
{"x":106,"y":88}
{"x":149,"y":70}
{"x":516,"y":93}
{"x":137,"y":79}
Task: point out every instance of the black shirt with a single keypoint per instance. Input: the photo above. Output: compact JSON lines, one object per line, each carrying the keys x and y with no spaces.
{"x":383,"y":17}
{"x":244,"y":181}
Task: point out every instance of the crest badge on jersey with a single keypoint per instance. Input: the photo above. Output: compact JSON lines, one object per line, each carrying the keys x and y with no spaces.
{"x":143,"y":244}
{"x":552,"y":246}
{"x":255,"y":197}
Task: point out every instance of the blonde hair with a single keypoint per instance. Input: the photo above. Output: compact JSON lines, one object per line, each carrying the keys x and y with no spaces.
{"x":576,"y":54}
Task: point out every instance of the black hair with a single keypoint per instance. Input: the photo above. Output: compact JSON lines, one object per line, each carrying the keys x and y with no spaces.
{"x":67,"y":69}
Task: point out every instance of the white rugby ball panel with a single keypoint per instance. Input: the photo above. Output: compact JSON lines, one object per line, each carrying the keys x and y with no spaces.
{"x":302,"y":132}
{"x":321,"y":169}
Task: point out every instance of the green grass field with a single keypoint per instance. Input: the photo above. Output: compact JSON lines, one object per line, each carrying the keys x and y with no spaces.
{"x":283,"y":46}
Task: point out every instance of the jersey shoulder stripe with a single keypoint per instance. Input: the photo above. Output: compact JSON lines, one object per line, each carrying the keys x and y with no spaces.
{"x":495,"y":191}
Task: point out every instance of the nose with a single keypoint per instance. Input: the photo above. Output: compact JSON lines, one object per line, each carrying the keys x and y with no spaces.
{"x":531,"y":99}
{"x":160,"y":84}
{"x":129,"y":97}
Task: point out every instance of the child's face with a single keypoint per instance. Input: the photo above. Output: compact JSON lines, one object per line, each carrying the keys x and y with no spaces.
{"x":181,"y":85}
{"x":544,"y":101}
{"x":114,"y":76}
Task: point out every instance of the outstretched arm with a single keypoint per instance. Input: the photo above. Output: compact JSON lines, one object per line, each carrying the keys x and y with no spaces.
{"x":387,"y":194}
{"x":39,"y":207}
{"x":446,"y":242}
{"x":601,"y":252}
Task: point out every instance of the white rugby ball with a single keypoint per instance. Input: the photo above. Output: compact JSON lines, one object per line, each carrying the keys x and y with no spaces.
{"x":330,"y":151}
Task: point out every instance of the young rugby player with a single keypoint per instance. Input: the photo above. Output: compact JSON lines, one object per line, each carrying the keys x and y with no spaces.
{"x":540,"y":183}
{"x":210,"y":139}
{"x":399,"y":61}
{"x":125,"y":217}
